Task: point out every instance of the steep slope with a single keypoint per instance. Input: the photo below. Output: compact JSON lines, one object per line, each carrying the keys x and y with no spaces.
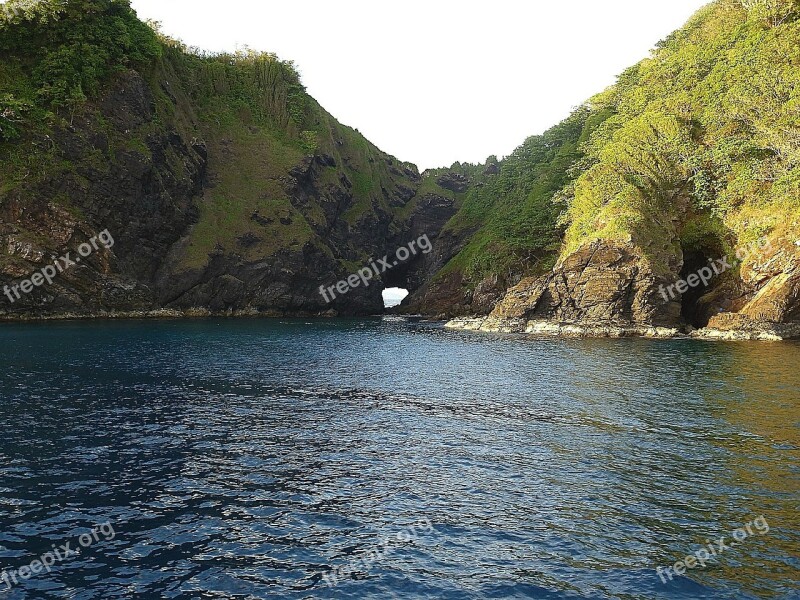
{"x":696,"y":173}
{"x":508,"y":225}
{"x":225,"y":187}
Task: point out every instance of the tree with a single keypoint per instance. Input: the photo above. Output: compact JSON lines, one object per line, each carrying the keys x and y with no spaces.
{"x":11,"y":116}
{"x":774,"y":12}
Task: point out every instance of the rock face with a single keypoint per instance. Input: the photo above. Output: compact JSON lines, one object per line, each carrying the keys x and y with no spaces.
{"x":428,"y":217}
{"x":606,"y":283}
{"x":607,"y":290}
{"x":601,"y":290}
{"x":555,"y":329}
{"x":736,"y":326}
{"x":148,"y":180}
{"x":449,"y":295}
{"x":145,"y":196}
{"x":772,"y":279}
{"x":455,"y":182}
{"x":599,"y":284}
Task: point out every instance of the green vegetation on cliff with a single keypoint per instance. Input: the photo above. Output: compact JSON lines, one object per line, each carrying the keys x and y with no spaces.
{"x":232,"y":166}
{"x":703,"y":147}
{"x":513,"y":212}
{"x":62,"y":52}
{"x":694,"y":149}
{"x":249,"y":110}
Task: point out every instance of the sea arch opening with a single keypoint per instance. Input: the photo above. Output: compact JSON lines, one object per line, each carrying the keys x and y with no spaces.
{"x":394,"y":296}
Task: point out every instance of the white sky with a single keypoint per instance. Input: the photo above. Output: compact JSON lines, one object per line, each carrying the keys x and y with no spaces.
{"x":394,"y":296}
{"x":438,"y":81}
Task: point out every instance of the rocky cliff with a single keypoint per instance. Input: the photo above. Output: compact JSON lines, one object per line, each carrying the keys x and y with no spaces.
{"x":223,"y":185}
{"x":683,"y":214}
{"x":227,"y":189}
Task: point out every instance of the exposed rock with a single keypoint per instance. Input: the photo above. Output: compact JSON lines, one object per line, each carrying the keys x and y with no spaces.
{"x":601,"y":283}
{"x":737,"y":326}
{"x":248,"y":239}
{"x":521,"y":301}
{"x":598,"y":330}
{"x":607,"y":282}
{"x":144,"y":200}
{"x":774,"y":277}
{"x":488,"y":293}
{"x":22,"y":249}
{"x":494,"y":324}
{"x":455,"y":182}
{"x":604,"y":290}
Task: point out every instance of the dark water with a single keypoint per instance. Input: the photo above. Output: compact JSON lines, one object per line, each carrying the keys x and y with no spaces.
{"x":245,"y":458}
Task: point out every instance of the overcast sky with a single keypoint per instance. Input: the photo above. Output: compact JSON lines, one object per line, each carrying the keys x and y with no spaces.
{"x":438,"y":81}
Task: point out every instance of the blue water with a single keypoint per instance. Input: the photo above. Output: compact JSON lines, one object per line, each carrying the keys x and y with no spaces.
{"x":248,"y":458}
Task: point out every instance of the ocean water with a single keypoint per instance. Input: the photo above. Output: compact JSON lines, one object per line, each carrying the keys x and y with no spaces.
{"x":385,"y":458}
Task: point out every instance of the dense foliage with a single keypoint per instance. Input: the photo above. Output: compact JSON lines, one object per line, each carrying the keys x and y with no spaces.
{"x":705,"y":133}
{"x":267,"y":88}
{"x":67,"y":49}
{"x":515,"y":213}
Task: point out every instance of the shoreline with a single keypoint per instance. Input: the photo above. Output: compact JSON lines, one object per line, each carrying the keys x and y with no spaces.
{"x":765,"y":332}
{"x":156,"y":314}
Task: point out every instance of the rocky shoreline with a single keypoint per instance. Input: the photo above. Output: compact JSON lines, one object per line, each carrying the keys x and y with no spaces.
{"x":611,"y":290}
{"x":537,"y":327}
{"x":729,"y":331}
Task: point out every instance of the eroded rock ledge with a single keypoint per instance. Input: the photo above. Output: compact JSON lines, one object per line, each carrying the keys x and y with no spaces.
{"x":609,"y":289}
{"x":559,"y":329}
{"x":754,"y":332}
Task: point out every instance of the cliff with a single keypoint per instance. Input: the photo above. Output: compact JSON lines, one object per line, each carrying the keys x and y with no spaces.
{"x":668,"y":203}
{"x":224,"y":186}
{"x":684,"y":212}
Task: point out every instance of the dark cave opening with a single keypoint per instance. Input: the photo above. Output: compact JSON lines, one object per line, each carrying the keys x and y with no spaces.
{"x":695,"y":276}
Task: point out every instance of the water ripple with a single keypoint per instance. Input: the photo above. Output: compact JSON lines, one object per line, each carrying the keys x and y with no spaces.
{"x":248,"y":459}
